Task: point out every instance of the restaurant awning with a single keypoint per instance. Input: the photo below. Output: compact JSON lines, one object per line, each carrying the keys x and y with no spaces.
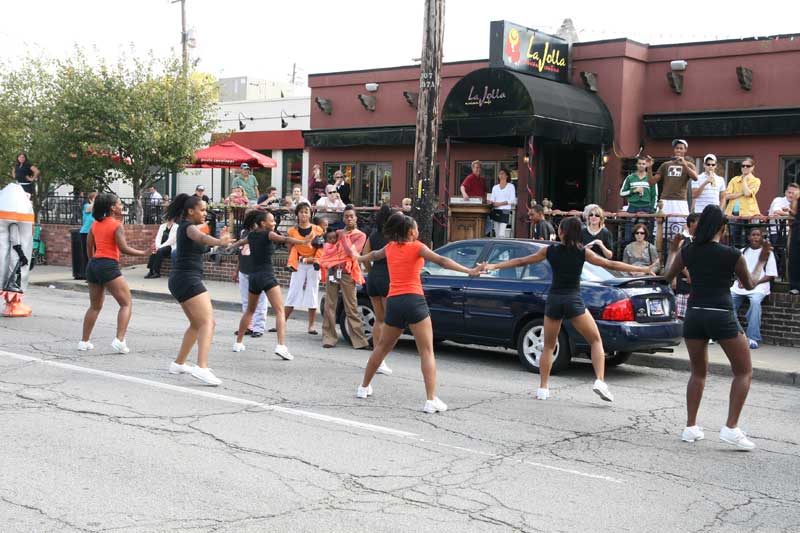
{"x":726,"y":123}
{"x":492,"y":102}
{"x":375,"y":136}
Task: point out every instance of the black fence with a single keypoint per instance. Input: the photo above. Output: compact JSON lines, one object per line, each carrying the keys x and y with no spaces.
{"x":69,"y":210}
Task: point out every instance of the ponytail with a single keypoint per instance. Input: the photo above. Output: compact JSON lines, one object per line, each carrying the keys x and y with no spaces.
{"x":397,"y":227}
{"x":253,"y":218}
{"x":102,"y":205}
{"x":711,"y":221}
{"x":181,"y":204}
{"x":570,"y":229}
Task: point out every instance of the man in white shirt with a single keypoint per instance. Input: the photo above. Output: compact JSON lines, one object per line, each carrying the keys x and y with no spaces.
{"x":780,"y":205}
{"x":763,"y":277}
{"x":330,"y":206}
{"x":709,"y":189}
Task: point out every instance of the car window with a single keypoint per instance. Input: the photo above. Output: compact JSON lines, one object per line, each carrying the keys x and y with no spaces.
{"x":538,"y":272}
{"x":465,"y":255}
{"x":504,"y":252}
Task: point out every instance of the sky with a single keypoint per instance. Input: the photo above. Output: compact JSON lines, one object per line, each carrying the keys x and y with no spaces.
{"x":264,"y":38}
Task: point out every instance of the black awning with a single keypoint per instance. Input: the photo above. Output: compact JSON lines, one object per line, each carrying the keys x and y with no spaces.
{"x":492,"y":102}
{"x":342,"y":138}
{"x":739,"y":122}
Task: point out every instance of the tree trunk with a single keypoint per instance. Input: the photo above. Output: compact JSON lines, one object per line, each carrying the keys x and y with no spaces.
{"x":428,"y":117}
{"x":137,"y":201}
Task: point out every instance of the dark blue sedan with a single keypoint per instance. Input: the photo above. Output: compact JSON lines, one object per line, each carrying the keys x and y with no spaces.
{"x":505,"y":308}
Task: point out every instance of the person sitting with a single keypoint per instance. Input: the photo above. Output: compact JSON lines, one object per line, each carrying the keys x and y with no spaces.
{"x":640,"y":252}
{"x":763,"y":269}
{"x":166,"y":237}
{"x":237,"y":198}
{"x":271,"y":200}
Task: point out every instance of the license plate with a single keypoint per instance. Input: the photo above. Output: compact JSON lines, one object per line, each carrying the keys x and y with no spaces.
{"x":655,"y":307}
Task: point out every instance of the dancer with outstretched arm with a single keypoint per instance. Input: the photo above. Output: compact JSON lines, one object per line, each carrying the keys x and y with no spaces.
{"x":710,"y":315}
{"x":564,"y":300}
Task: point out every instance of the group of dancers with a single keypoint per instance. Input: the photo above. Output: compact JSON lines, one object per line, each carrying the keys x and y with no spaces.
{"x":394,"y":286}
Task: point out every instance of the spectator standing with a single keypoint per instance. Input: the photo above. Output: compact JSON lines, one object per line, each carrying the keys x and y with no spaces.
{"x":342,"y":186}
{"x":675,"y":174}
{"x":166,"y":237}
{"x":86,"y":226}
{"x":406,"y":204}
{"x":709,"y":189}
{"x":247,"y":182}
{"x":781,"y":206}
{"x":763,"y":269}
{"x":594,"y":234}
{"x":682,"y":282}
{"x":329,"y":207}
{"x":474,"y":186}
{"x":25,"y":173}
{"x":540,"y":228}
{"x":503,"y":199}
{"x":741,"y":199}
{"x":637,"y":189}
{"x":317,"y":186}
{"x":640,"y":252}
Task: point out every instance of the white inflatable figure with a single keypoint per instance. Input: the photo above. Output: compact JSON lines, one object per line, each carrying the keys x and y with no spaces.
{"x":16,"y":247}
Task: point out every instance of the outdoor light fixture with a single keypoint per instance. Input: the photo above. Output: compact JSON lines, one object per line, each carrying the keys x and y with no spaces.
{"x":679,"y":64}
{"x":241,"y":121}
{"x":411,"y":98}
{"x":589,"y":81}
{"x":368,"y":101}
{"x":285,"y":115}
{"x":675,"y":80}
{"x":745,"y":76}
{"x":371,"y":87}
{"x":325,"y":105}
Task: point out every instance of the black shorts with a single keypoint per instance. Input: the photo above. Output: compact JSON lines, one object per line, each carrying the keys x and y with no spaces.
{"x":564,"y":306}
{"x":716,"y":324}
{"x":102,"y":270}
{"x":377,"y":285}
{"x":405,"y":309}
{"x":259,"y":282}
{"x":184,"y":285}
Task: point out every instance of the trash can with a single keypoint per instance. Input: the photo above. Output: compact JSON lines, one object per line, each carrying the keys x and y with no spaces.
{"x":79,"y":258}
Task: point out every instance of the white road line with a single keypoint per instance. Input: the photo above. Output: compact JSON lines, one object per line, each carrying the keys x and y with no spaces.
{"x":294,"y":412}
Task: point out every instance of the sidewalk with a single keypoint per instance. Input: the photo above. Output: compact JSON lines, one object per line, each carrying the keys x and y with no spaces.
{"x":775,"y":364}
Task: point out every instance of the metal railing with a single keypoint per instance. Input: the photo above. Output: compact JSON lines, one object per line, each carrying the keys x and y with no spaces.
{"x":68,"y":210}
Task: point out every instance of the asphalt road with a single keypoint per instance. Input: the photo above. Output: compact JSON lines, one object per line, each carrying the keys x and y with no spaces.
{"x":99,"y":441}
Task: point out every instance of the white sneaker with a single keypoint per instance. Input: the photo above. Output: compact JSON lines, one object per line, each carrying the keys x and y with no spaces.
{"x":736,"y":437}
{"x":175,"y":368}
{"x":84,"y":346}
{"x":434,"y":406}
{"x":601,"y":389}
{"x":205,"y":375}
{"x":363,"y":392}
{"x":542,"y":394}
{"x":283,"y":352}
{"x":238,"y":347}
{"x":120,"y":346}
{"x":692,"y":433}
{"x":384,"y":369}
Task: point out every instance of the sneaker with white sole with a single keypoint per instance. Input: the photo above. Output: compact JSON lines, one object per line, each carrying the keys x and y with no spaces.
{"x":692,"y":434}
{"x":205,"y":375}
{"x":601,"y":389}
{"x":542,"y":394}
{"x":435,"y":406}
{"x":238,"y":347}
{"x":85,"y":345}
{"x":120,"y":346}
{"x":736,"y":437}
{"x":175,"y":368}
{"x":384,"y":369}
{"x":364,"y":392}
{"x":283,"y":352}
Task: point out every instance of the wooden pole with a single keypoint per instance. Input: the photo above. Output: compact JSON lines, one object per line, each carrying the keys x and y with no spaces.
{"x":428,"y":116}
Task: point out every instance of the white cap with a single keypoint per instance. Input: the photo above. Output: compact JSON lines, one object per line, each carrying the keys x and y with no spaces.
{"x":676,"y":142}
{"x":711,"y":157}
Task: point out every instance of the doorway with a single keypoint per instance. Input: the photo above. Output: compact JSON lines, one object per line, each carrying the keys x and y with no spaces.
{"x":567,"y":176}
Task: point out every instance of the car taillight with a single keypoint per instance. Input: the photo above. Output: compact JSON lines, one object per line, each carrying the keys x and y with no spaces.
{"x":621,"y":311}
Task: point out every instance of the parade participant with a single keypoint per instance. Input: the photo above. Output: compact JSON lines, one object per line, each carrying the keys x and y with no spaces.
{"x":86,"y":224}
{"x":709,"y":189}
{"x":186,"y":285}
{"x":303,"y":261}
{"x":405,"y":304}
{"x":595,"y":235}
{"x":166,"y":237}
{"x":16,"y":235}
{"x":105,"y":242}
{"x":261,"y":228}
{"x":378,"y":278}
{"x":503,"y":199}
{"x":474,"y":186}
{"x":242,"y":276}
{"x":763,"y":269}
{"x":710,"y":316}
{"x":564,"y":300}
{"x":675,"y":175}
{"x":345,"y":277}
{"x":25,"y":173}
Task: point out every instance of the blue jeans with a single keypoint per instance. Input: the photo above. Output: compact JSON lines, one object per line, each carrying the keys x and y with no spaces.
{"x":753,"y":314}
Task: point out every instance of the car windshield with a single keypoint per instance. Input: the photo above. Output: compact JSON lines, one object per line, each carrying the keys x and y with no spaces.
{"x":597,"y":273}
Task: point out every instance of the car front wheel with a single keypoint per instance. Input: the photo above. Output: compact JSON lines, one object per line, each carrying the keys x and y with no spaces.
{"x":530,"y":345}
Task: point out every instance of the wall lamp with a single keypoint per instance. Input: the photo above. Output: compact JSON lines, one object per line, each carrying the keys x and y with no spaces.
{"x":368,"y":101}
{"x":675,"y":81}
{"x":284,"y":116}
{"x":325,"y":105}
{"x":242,"y":118}
{"x":589,"y":81}
{"x":411,"y":98}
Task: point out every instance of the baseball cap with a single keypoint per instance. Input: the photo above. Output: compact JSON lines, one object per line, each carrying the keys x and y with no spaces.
{"x":200,"y":187}
{"x":244,"y":166}
{"x":711,"y":157}
{"x":675,"y":142}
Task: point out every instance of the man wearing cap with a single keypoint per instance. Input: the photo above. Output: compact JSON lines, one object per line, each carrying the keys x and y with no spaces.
{"x":709,"y":189}
{"x":675,"y":175}
{"x":200,"y":191}
{"x":247,"y":182}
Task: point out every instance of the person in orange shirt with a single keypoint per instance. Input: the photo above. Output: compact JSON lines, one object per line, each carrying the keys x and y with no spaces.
{"x":405,"y":303}
{"x":105,"y":241}
{"x":303,"y":261}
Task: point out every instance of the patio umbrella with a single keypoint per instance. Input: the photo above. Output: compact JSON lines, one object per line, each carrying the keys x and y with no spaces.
{"x":228,"y":154}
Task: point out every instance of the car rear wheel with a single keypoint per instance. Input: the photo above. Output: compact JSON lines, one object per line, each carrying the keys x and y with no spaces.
{"x":364,"y":309}
{"x":530,"y":344}
{"x":617,"y":358}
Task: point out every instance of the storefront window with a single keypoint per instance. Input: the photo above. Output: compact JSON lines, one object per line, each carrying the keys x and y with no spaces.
{"x":373,"y":185}
{"x":411,"y":189}
{"x":292,"y":170}
{"x":790,"y":170}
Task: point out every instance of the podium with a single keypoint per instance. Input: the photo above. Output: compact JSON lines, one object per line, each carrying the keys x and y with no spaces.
{"x":467,"y":219}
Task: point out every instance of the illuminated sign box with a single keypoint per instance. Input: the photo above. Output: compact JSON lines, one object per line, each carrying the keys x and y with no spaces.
{"x":528,"y":51}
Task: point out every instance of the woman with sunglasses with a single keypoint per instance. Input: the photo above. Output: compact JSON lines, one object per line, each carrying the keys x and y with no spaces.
{"x":595,"y":235}
{"x":712,"y":267}
{"x":640,"y":252}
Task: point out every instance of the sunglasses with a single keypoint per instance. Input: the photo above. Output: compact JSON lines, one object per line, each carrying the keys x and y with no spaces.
{"x":711,"y":164}
{"x":594,"y":215}
{"x":639,"y":233}
{"x":746,"y":166}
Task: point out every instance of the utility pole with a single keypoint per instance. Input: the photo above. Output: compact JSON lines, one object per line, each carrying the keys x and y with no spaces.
{"x":428,"y":117}
{"x":184,"y":36}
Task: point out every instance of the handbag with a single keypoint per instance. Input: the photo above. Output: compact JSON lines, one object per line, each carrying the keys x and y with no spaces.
{"x":499,"y":215}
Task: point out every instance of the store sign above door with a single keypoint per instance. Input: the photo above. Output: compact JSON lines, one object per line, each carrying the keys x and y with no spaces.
{"x":528,"y":51}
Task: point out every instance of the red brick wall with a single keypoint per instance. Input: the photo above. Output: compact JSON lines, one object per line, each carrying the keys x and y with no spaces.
{"x":779,"y":323}
{"x":58,"y":246}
